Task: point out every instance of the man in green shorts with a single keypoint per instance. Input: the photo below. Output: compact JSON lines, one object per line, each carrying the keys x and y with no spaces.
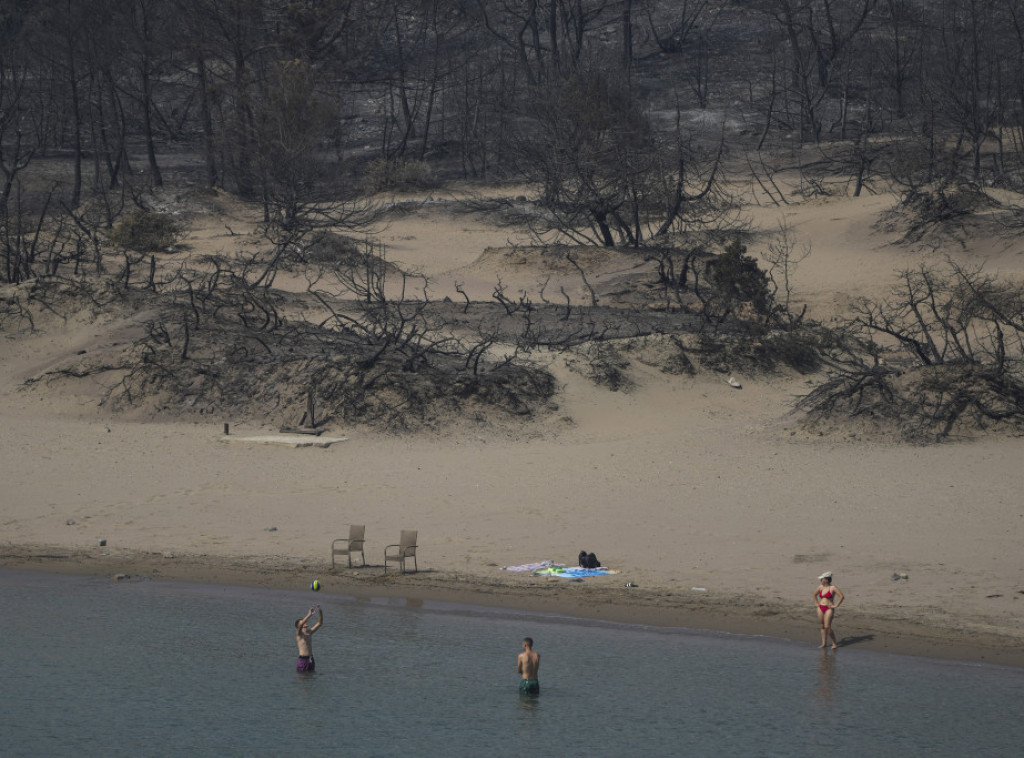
{"x":528,"y":665}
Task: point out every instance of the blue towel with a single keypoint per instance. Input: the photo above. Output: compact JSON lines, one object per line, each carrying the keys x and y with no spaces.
{"x":574,"y":572}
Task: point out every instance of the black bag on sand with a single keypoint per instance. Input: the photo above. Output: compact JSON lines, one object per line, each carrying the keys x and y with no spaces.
{"x":588,"y":560}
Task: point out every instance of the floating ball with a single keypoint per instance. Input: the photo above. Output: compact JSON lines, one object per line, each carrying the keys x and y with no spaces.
{"x":315,"y":585}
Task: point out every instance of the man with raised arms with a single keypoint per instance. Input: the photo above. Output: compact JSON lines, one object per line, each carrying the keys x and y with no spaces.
{"x":304,"y":639}
{"x":528,"y":665}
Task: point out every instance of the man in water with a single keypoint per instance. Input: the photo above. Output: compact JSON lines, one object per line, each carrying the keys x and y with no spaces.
{"x":304,"y":639}
{"x":528,"y":665}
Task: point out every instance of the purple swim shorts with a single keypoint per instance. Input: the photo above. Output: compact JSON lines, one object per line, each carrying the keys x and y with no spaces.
{"x":305,"y":663}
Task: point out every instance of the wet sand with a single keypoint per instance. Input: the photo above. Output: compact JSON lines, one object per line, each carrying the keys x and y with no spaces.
{"x":603,"y":599}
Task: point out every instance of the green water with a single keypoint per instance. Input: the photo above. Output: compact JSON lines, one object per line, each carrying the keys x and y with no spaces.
{"x":95,"y":667}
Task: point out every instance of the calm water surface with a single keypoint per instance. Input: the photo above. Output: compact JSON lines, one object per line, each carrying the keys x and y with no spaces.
{"x":93,"y":667}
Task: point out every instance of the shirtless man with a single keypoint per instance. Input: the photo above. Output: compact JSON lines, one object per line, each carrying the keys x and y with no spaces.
{"x":528,"y":665}
{"x":304,"y":639}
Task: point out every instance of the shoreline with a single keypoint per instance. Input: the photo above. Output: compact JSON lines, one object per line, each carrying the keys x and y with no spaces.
{"x":598,"y":600}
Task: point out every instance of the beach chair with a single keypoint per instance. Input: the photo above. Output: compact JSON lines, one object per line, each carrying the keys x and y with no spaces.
{"x":349,"y":545}
{"x":403,"y":551}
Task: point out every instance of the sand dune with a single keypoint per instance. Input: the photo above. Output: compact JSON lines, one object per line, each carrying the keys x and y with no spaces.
{"x":681,"y":483}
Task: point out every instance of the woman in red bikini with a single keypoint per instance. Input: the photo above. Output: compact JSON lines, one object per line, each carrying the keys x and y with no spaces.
{"x":827,"y":597}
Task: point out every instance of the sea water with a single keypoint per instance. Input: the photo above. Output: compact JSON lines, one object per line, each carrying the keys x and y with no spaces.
{"x":94,"y":667}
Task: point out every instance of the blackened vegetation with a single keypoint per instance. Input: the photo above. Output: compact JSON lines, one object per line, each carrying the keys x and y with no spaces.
{"x":216,"y":340}
{"x":943,"y":355}
{"x":621,"y":118}
{"x":354,"y":379}
{"x":936,"y":214}
{"x":370,"y":347}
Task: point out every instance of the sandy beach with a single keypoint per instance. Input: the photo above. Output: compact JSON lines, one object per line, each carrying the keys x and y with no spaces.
{"x":711,"y":501}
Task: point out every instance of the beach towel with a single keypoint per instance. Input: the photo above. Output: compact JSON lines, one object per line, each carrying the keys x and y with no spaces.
{"x":573,"y":572}
{"x":531,"y":566}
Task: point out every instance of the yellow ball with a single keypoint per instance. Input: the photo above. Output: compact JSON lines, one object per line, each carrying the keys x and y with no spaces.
{"x":315,"y":586}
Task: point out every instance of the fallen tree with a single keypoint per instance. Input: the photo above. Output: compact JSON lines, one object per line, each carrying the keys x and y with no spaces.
{"x":942,"y":355}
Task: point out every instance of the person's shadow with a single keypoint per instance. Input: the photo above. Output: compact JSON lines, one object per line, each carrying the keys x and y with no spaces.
{"x":854,"y":640}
